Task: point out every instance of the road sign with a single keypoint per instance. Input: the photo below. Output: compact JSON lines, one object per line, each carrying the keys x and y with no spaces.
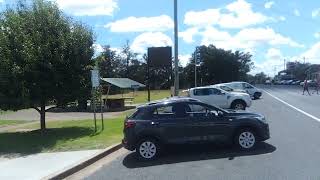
{"x":95,"y":78}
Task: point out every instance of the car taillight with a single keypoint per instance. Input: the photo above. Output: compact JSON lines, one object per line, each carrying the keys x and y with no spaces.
{"x":129,"y":124}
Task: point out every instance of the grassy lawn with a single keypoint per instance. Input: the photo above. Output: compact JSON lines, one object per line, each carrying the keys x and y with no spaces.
{"x":62,"y":136}
{"x":142,"y":96}
{"x":4,"y":112}
{"x":10,"y":122}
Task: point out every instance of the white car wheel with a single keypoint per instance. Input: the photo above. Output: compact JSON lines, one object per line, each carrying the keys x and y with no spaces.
{"x":246,"y":140}
{"x":147,"y":149}
{"x":239,"y":106}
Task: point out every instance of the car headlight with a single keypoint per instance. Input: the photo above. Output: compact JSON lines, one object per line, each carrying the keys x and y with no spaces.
{"x":262,"y":119}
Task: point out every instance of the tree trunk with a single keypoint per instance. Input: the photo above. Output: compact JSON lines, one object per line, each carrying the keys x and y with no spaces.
{"x":43,"y":116}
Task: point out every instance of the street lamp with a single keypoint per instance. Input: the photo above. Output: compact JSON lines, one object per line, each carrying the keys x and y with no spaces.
{"x":176,"y":68}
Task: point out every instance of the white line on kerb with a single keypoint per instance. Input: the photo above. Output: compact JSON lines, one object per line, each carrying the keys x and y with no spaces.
{"x":297,"y":109}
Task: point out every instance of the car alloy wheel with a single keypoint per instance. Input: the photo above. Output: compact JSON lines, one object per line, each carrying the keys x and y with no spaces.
{"x":147,"y":149}
{"x":239,"y":106}
{"x":246,"y":139}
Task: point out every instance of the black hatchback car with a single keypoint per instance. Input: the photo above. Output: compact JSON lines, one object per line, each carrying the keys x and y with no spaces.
{"x":186,"y":120}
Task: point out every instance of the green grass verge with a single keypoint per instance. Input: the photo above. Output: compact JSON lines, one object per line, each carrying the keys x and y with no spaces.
{"x":62,"y":136}
{"x":10,"y":122}
{"x":4,"y":112}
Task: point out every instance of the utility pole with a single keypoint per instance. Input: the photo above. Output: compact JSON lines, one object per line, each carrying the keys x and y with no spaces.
{"x":284,"y":64}
{"x":195,"y":69}
{"x":304,"y":60}
{"x":176,"y":68}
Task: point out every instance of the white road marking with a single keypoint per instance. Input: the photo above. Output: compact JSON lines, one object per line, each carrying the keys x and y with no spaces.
{"x":297,"y":109}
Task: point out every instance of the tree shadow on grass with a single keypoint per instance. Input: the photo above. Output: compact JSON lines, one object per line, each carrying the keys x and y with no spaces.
{"x":30,"y":142}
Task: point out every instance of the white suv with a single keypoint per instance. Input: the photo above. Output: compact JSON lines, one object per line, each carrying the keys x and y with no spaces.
{"x":218,"y":97}
{"x":251,"y":90}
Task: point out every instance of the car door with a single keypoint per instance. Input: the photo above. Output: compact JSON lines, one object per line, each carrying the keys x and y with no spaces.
{"x":249,"y":88}
{"x":207,"y":124}
{"x":219,"y":97}
{"x":211,"y":96}
{"x":172,"y":123}
{"x":202,"y":94}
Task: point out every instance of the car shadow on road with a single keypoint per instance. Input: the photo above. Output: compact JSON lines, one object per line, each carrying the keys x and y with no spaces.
{"x":187,"y":153}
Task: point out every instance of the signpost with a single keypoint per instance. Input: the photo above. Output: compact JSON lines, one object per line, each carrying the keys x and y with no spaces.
{"x":95,"y":81}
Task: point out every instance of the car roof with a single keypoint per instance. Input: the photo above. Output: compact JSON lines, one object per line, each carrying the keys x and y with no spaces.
{"x":170,"y":100}
{"x":203,"y":87}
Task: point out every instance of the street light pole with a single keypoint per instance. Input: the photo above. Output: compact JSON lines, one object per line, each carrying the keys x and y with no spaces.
{"x":176,"y":68}
{"x":195,"y":68}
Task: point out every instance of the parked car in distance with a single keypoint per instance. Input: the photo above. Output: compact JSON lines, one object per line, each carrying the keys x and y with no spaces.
{"x":311,"y":83}
{"x":297,"y":82}
{"x":250,"y":89}
{"x":186,"y":120}
{"x":218,"y":97}
{"x":268,"y":82}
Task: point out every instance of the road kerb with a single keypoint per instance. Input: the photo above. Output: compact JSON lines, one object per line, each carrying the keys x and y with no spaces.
{"x":83,"y":164}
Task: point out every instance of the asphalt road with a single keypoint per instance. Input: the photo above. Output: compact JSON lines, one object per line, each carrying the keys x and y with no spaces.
{"x":293,"y":152}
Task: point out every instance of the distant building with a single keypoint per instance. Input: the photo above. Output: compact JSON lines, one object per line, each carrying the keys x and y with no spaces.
{"x":291,"y":65}
{"x":313,"y":72}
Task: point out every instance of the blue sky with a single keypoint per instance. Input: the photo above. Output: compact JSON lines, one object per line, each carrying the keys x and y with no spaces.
{"x":270,"y":30}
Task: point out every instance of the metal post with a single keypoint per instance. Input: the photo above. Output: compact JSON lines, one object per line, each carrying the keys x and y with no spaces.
{"x":94,"y":110}
{"x":195,"y":71}
{"x":176,"y":68}
{"x":148,"y":74}
{"x":101,"y":103}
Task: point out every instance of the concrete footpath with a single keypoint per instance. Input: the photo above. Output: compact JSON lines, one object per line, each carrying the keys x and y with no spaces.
{"x":42,"y":165}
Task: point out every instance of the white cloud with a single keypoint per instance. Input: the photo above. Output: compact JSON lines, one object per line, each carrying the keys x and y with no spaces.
{"x":282,"y":18}
{"x":88,"y":7}
{"x":202,"y":18}
{"x":1,"y":1}
{"x":317,"y":35}
{"x":246,"y":39}
{"x":272,"y":63}
{"x":188,"y":34}
{"x":184,"y":59}
{"x":296,"y":12}
{"x":312,"y":55}
{"x":150,"y":39}
{"x":141,"y":24}
{"x":265,"y":35}
{"x":98,"y":48}
{"x":315,"y":13}
{"x":238,"y":14}
{"x":268,"y":4}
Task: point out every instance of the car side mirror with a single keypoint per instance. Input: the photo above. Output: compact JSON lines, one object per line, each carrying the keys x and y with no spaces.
{"x":222,"y":93}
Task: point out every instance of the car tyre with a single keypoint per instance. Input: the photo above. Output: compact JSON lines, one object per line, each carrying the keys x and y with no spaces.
{"x":238,"y":105}
{"x":256,"y":96}
{"x":148,"y":149}
{"x":245,"y":139}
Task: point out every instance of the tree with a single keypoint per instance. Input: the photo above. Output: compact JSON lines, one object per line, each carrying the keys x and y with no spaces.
{"x":44,"y":57}
{"x":110,"y":63}
{"x":260,"y":78}
{"x":128,"y":56}
{"x":218,"y":65}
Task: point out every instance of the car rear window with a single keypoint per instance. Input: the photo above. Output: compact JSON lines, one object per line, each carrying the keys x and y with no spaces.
{"x":140,"y":114}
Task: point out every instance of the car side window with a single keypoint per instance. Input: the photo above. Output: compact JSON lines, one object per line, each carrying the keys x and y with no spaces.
{"x":163,"y":111}
{"x":202,"y":92}
{"x":247,"y":86}
{"x":171,"y":111}
{"x":215,"y":91}
{"x":197,"y":110}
